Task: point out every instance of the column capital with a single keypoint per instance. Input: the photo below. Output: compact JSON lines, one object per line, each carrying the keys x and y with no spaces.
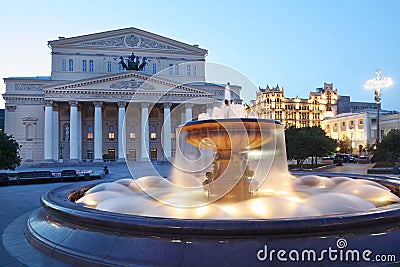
{"x":98,"y":103}
{"x":73,"y":103}
{"x":188,"y":105}
{"x":11,"y":108}
{"x":145,"y":104}
{"x":121,"y":104}
{"x":48,"y":103}
{"x":167,"y":104}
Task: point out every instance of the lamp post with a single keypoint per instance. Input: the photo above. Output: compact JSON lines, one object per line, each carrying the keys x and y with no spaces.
{"x":377,"y":84}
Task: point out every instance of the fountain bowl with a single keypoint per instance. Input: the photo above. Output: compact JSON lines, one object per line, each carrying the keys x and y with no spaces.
{"x":88,"y":237}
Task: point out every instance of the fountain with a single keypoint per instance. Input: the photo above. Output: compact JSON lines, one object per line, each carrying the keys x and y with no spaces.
{"x":234,"y":203}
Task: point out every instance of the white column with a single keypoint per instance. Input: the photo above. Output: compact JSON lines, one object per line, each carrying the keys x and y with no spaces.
{"x":144,"y":132}
{"x":73,"y":129}
{"x":80,"y":135}
{"x":209,"y":108}
{"x":48,"y":130}
{"x":98,"y":131}
{"x":56,"y":135}
{"x":167,"y":131}
{"x":188,"y":112}
{"x":121,"y":131}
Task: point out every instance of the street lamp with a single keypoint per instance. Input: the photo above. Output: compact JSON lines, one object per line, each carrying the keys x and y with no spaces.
{"x":377,"y":84}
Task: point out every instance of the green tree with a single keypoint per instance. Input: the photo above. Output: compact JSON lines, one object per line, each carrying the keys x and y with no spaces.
{"x":344,"y":145}
{"x":9,"y":152}
{"x":302,"y":143}
{"x":389,"y":149}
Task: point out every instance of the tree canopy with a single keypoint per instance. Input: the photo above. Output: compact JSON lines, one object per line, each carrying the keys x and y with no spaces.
{"x":389,"y":149}
{"x":305,"y":142}
{"x":9,"y":152}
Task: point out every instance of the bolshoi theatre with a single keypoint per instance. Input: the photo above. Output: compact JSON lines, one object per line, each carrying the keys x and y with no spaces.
{"x":115,"y":95}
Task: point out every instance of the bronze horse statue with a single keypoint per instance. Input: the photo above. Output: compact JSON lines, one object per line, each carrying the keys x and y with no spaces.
{"x":133,"y":63}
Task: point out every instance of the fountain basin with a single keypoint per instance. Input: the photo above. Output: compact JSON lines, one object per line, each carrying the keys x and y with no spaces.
{"x":88,"y":237}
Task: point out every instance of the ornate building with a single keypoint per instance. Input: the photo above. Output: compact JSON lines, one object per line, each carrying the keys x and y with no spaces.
{"x":91,"y":109}
{"x":360,"y":128}
{"x":271,"y":103}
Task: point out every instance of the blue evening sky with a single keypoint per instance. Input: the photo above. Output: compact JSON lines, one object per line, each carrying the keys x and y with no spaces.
{"x":298,"y":44}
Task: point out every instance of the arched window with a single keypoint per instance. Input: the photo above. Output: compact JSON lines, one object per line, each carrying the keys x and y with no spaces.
{"x":132,"y":133}
{"x":111,"y":133}
{"x":171,"y":69}
{"x":90,"y":132}
{"x":84,"y":65}
{"x":153,"y":132}
{"x":91,"y":66}
{"x":71,"y":65}
{"x":176,"y":69}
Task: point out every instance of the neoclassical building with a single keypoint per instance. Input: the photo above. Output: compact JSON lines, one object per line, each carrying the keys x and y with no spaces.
{"x":91,"y":109}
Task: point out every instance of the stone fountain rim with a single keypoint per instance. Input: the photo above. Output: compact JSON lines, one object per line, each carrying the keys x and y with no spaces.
{"x":194,"y":122}
{"x":56,"y":203}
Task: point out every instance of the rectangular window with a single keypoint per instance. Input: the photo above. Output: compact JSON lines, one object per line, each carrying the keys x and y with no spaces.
{"x":132,"y":154}
{"x":71,"y":65}
{"x":109,"y":69}
{"x":154,"y":68}
{"x":176,"y":69}
{"x":188,"y":70}
{"x":64,"y":65}
{"x":89,"y":154}
{"x":194,"y":70}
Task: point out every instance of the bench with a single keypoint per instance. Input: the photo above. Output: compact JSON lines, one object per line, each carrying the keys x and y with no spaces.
{"x":69,"y":176}
{"x":4,"y":180}
{"x":34,"y":177}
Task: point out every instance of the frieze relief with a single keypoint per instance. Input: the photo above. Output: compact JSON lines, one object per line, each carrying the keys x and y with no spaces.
{"x":131,"y":41}
{"x":28,"y":87}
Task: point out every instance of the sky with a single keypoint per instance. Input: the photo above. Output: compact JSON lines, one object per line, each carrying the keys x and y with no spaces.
{"x":298,"y":44}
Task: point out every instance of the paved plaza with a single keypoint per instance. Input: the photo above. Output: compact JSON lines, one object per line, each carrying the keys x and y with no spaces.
{"x":18,"y":202}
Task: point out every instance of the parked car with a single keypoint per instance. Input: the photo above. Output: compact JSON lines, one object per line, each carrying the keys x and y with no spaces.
{"x":349,"y":159}
{"x":363,"y":159}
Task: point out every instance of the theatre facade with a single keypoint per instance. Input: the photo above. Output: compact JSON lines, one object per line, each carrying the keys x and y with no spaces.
{"x":92,"y":108}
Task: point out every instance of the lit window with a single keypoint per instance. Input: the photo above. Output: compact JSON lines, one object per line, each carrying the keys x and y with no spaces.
{"x":84,"y":65}
{"x":111,"y":133}
{"x":132,"y":133}
{"x":154,"y":68}
{"x":71,"y":65}
{"x":188,"y":70}
{"x":153,"y":133}
{"x":171,"y":70}
{"x":194,"y":70}
{"x":176,"y":69}
{"x":64,"y":65}
{"x":173,"y":132}
{"x":90,"y":132}
{"x":91,"y":66}
{"x":109,"y":66}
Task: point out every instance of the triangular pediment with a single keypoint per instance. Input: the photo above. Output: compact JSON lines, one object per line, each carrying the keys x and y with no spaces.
{"x":129,"y":82}
{"x":129,"y":38}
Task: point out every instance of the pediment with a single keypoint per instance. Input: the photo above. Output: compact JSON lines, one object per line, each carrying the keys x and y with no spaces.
{"x":129,"y":38}
{"x":129,"y":82}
